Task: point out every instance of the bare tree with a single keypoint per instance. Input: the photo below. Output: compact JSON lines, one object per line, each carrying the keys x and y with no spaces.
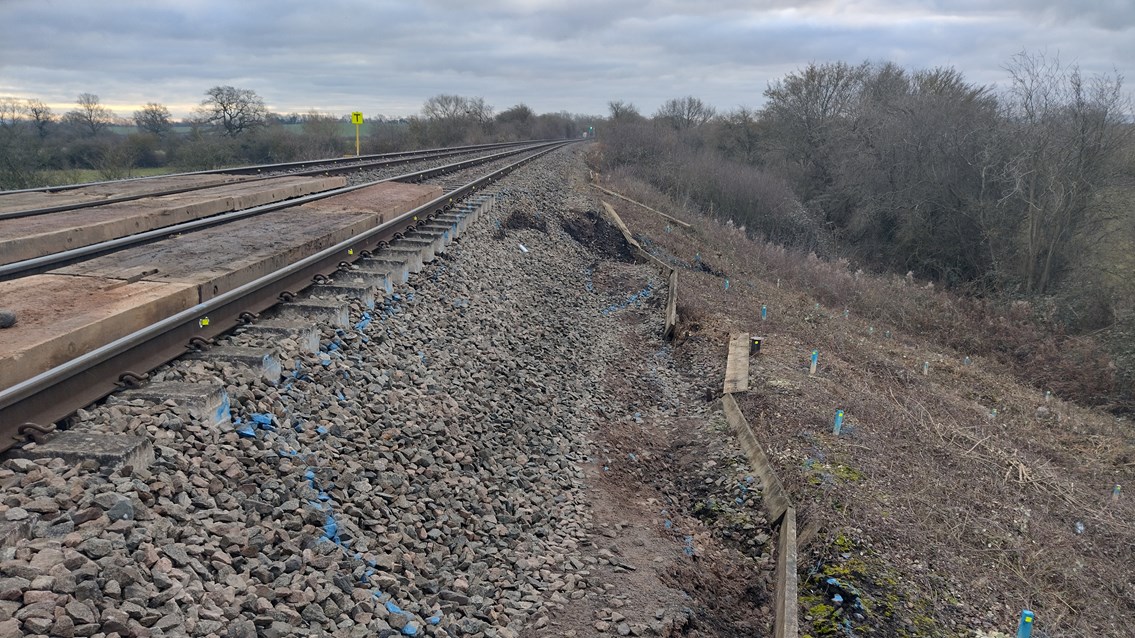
{"x":519,"y":119}
{"x":479,"y":110}
{"x":41,"y":116}
{"x":739,"y":135}
{"x":322,"y":134}
{"x":11,"y":113}
{"x":623,"y":111}
{"x":444,"y":107}
{"x":154,"y":118}
{"x":685,"y":113}
{"x":17,"y":157}
{"x":235,"y":111}
{"x":1064,"y":130}
{"x":808,"y":112}
{"x":453,"y":118}
{"x":91,"y":116}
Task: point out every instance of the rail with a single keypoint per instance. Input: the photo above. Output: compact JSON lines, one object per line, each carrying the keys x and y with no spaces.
{"x":46,"y":262}
{"x":35,"y":404}
{"x":340,"y":165}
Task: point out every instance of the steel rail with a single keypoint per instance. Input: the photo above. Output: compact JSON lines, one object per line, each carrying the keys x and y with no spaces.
{"x":37,"y":403}
{"x":118,"y":199}
{"x":237,"y":170}
{"x":47,"y":262}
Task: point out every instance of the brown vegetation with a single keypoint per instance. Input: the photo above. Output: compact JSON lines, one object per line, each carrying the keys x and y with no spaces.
{"x":953,"y":499}
{"x":1012,"y":196}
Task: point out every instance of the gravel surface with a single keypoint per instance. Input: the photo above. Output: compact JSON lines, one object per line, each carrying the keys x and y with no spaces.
{"x":426,"y":473}
{"x":419,"y":478}
{"x":372,"y":174}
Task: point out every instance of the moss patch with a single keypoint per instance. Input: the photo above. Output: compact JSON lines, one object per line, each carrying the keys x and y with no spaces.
{"x":851,"y":592}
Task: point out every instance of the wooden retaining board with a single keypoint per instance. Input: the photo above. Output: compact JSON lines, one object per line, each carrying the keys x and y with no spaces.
{"x":61,"y":317}
{"x":737,"y":365}
{"x":671,"y":306}
{"x":656,"y":212}
{"x":787,"y":623}
{"x":637,"y":250}
{"x":30,"y":237}
{"x":219,"y":259}
{"x":10,"y":202}
{"x":773,"y":495}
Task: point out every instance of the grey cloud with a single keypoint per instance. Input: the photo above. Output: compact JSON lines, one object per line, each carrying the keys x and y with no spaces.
{"x":552,"y":54}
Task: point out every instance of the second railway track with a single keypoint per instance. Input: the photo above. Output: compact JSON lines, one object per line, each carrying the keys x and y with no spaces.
{"x":186,"y":288}
{"x":37,"y":243}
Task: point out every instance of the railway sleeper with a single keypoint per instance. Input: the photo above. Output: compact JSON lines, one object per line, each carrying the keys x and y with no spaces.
{"x":262,"y":361}
{"x":396,"y":270}
{"x":306,"y":335}
{"x":334,"y":312}
{"x":366,"y":293}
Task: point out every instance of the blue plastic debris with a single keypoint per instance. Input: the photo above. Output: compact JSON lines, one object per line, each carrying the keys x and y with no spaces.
{"x":837,"y":599}
{"x":689,"y":548}
{"x":321,"y":430}
{"x":410,"y":629}
{"x":364,"y":323}
{"x":330,"y":528}
{"x":668,"y":524}
{"x":392,"y":608}
{"x":434,"y":619}
{"x":339,"y":394}
{"x":635,"y":298}
{"x":264,"y":421}
{"x":246,"y":430}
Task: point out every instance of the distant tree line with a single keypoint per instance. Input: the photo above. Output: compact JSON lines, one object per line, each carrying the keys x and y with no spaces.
{"x":233,"y":126}
{"x":992,"y":191}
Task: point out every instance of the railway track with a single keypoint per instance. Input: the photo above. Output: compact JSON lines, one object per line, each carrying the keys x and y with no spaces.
{"x":48,"y":256}
{"x":265,"y":170}
{"x":30,"y":407}
{"x":360,"y":169}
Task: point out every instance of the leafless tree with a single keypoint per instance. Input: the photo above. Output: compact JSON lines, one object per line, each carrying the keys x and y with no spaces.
{"x":11,"y":113}
{"x":685,"y":113}
{"x":623,"y":111}
{"x":519,"y":120}
{"x":91,"y":117}
{"x":40,"y":115}
{"x":155,"y":119}
{"x":322,"y":134}
{"x":808,"y":112}
{"x":739,"y":135}
{"x":1063,"y":131}
{"x":17,"y":163}
{"x":235,"y":111}
{"x":453,"y":118}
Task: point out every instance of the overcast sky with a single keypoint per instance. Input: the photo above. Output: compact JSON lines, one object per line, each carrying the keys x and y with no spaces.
{"x":387,"y":57}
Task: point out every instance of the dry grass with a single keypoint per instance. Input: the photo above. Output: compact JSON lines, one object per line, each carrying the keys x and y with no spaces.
{"x":943,"y":515}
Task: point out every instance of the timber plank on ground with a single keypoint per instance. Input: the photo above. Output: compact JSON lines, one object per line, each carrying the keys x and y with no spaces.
{"x":656,"y":212}
{"x":737,"y":365}
{"x":773,"y":495}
